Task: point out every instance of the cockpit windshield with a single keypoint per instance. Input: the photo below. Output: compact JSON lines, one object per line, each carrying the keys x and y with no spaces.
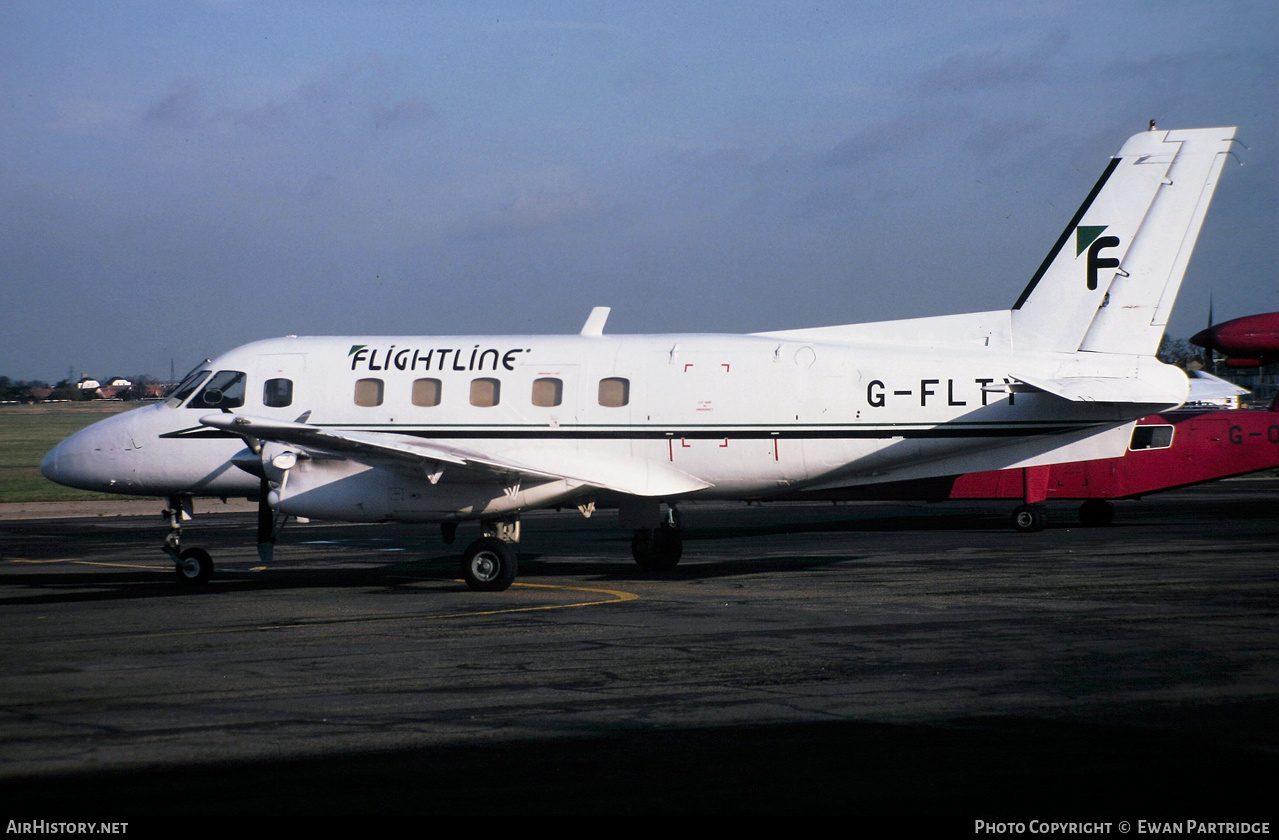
{"x":224,"y":390}
{"x":188,"y":384}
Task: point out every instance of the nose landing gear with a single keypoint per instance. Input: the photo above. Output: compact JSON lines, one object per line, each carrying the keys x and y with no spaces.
{"x":193,"y":565}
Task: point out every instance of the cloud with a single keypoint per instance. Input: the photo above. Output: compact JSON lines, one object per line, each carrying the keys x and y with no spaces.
{"x":984,"y":72}
{"x":534,"y":26}
{"x":886,"y":136}
{"x":84,"y":114}
{"x":994,"y":135}
{"x":409,"y":111}
{"x":533,"y":211}
{"x":181,"y":105}
{"x":340,"y":98}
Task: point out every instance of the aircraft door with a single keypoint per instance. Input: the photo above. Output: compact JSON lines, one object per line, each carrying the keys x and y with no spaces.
{"x":823,"y":388}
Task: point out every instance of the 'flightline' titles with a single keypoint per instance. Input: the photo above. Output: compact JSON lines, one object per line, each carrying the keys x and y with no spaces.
{"x":409,"y":358}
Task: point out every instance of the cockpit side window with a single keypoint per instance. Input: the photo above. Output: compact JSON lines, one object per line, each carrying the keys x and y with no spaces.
{"x":187,"y":386}
{"x":225,"y":390}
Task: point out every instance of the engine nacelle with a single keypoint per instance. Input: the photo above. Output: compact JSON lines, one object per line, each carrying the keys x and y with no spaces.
{"x":320,"y":487}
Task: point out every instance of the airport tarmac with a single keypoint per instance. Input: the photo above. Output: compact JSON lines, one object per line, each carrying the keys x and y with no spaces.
{"x":903,"y":659}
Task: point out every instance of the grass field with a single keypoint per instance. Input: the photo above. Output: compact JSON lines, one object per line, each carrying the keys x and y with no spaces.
{"x":28,"y":432}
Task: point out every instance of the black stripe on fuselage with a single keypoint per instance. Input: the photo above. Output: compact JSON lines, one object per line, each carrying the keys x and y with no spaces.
{"x":1065,"y":234}
{"x":690,"y":433}
{"x":845,"y":433}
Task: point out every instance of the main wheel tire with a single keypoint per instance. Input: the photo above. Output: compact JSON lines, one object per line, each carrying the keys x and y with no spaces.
{"x":489,"y":565}
{"x":194,"y":566}
{"x":1028,"y":519}
{"x":1096,"y":512}
{"x":657,"y":549}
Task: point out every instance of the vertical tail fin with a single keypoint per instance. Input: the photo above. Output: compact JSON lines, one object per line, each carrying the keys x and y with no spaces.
{"x":1110,"y":281}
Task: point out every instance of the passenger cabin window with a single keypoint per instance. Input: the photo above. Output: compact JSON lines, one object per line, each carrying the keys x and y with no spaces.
{"x":368,"y":392}
{"x":548,"y":392}
{"x":277,"y":393}
{"x":615,"y":392}
{"x":225,"y":389}
{"x":426,"y":392}
{"x":1151,"y":437}
{"x":485,"y":392}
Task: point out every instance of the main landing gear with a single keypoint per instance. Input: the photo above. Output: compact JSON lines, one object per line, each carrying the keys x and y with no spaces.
{"x":1093,"y":513}
{"x":659,"y":549}
{"x":490,"y":563}
{"x":1027,"y":519}
{"x":1096,"y":512}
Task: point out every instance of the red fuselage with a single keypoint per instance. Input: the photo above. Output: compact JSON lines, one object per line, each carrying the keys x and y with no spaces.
{"x":1169,"y":450}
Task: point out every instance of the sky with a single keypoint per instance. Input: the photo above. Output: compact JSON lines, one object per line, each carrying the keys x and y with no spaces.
{"x":178,"y":178}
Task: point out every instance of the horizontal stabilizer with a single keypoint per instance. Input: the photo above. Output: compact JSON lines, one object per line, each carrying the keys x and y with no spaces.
{"x":1107,"y":389}
{"x":1204,"y":387}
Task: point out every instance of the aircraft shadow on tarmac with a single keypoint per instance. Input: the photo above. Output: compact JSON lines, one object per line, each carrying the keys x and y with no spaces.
{"x":345,"y":560}
{"x":407,"y":576}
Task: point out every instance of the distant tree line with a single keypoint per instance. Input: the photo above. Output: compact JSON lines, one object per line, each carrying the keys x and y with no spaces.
{"x":35,"y":390}
{"x":1179,"y":352}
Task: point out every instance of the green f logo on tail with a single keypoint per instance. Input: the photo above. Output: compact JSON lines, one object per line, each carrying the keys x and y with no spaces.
{"x":1089,"y":237}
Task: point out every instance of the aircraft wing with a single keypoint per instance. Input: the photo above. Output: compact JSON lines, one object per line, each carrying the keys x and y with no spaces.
{"x":623,"y":474}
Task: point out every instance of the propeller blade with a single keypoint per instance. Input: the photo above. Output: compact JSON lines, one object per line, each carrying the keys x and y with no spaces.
{"x":1208,"y":347}
{"x":266,"y":524}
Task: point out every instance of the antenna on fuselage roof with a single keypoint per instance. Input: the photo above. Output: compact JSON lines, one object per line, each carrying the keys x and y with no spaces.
{"x":595,"y":321}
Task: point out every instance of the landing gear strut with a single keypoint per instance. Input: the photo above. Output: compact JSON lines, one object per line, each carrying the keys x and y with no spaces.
{"x":659,"y":549}
{"x":490,"y":563}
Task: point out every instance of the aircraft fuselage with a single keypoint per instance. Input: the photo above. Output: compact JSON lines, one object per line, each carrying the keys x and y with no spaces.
{"x":746,"y":415}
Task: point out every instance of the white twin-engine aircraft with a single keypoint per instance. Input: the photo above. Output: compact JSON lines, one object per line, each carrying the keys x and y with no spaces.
{"x":424,"y":429}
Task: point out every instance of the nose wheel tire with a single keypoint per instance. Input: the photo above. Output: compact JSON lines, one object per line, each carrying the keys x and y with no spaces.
{"x":489,"y":564}
{"x":194,"y":566}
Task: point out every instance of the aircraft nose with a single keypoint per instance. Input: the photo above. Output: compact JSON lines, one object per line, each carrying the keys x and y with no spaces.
{"x":49,"y":466}
{"x":90,"y":458}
